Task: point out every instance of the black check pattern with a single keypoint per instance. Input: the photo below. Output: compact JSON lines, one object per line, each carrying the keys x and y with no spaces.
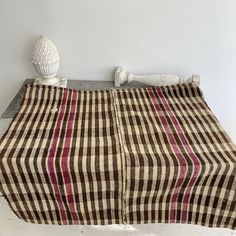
{"x":118,"y":156}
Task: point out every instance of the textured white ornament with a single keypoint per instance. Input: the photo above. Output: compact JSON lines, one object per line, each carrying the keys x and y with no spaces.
{"x":45,"y":59}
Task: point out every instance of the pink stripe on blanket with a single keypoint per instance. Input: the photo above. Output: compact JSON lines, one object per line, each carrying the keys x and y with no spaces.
{"x":188,"y":148}
{"x":177,"y":151}
{"x":65,"y":156}
{"x":52,"y":153}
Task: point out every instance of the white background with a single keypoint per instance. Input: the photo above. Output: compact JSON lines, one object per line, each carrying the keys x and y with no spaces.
{"x":144,"y":36}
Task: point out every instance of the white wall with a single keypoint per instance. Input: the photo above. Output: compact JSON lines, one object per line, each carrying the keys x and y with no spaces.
{"x":172,"y":36}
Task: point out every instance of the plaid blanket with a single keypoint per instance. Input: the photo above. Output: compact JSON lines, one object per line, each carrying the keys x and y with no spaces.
{"x":118,"y":156}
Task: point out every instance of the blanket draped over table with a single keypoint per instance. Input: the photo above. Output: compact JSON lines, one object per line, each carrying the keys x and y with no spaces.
{"x":127,"y":156}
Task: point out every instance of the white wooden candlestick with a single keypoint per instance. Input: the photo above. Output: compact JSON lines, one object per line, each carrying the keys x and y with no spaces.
{"x":121,"y":76}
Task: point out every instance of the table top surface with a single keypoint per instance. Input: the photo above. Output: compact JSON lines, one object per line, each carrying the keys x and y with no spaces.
{"x":74,"y":84}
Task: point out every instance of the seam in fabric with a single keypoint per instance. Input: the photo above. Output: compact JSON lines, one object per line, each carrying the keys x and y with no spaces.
{"x":123,"y":159}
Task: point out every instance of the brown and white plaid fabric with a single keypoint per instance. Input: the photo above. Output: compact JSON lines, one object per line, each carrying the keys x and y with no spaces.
{"x":130,"y":156}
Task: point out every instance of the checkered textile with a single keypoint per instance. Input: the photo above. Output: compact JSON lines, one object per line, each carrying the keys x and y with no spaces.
{"x":131,"y":156}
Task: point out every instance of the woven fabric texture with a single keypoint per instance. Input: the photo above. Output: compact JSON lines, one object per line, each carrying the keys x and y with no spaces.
{"x":126,"y":156}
